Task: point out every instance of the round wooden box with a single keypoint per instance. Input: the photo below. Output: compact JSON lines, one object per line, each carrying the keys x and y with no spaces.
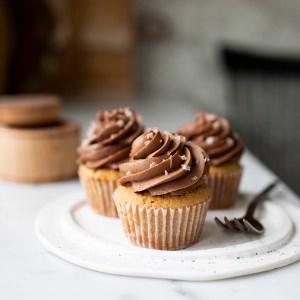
{"x":39,"y":154}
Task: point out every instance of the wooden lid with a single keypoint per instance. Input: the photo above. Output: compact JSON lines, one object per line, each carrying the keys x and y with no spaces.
{"x":29,"y":110}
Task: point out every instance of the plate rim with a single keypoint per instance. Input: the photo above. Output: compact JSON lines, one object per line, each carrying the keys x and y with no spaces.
{"x":159,"y":273}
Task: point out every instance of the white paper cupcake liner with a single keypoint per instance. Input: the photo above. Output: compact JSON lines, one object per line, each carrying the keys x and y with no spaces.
{"x":224,"y":188}
{"x":99,"y":195}
{"x":164,"y":229}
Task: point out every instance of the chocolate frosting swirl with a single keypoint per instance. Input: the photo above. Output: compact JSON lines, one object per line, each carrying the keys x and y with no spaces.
{"x":214,"y":135}
{"x":163,"y":163}
{"x":109,"y":139}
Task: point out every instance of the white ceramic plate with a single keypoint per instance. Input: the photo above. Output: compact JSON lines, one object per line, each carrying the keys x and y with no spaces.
{"x":68,"y":228}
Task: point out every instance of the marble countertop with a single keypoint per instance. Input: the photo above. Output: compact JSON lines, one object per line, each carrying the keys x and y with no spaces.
{"x":28,"y":271}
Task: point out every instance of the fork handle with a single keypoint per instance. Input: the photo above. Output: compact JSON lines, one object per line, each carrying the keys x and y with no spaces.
{"x":258,"y":198}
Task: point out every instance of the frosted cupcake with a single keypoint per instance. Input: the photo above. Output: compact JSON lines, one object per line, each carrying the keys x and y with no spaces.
{"x":108,"y":144}
{"x":224,"y":148}
{"x":163,"y":197}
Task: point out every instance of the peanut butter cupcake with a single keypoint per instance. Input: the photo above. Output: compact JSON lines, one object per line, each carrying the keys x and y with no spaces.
{"x":224,"y":148}
{"x":163,"y":197}
{"x":108,"y":144}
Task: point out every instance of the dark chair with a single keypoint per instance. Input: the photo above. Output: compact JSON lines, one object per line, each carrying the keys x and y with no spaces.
{"x":263,"y":101}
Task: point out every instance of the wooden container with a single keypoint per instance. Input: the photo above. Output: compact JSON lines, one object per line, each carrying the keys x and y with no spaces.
{"x":104,"y":73}
{"x":39,"y":154}
{"x":100,"y":51}
{"x":104,"y":25}
{"x":4,"y":44}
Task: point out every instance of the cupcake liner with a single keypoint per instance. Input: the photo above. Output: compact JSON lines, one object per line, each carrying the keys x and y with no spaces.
{"x":164,"y":229}
{"x":99,"y":195}
{"x":224,"y":188}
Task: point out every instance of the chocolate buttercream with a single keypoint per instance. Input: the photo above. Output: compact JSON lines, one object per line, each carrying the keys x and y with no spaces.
{"x":215,"y":136}
{"x":109,"y":138}
{"x":164,"y":163}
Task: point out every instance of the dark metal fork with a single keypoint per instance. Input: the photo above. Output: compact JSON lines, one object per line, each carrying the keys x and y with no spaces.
{"x":247,"y":223}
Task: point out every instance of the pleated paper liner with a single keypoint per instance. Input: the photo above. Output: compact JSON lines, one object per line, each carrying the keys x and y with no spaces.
{"x":224,"y":188}
{"x":162,"y":228}
{"x":99,"y":195}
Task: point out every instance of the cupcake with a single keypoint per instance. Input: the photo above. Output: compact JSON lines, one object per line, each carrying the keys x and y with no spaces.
{"x":224,"y":148}
{"x":108,"y":144}
{"x":163,"y":198}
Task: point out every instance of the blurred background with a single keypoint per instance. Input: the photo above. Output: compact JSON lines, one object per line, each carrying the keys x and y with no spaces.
{"x":240,"y":59}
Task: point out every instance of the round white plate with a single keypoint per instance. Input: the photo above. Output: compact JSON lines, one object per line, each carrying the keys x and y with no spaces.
{"x":68,"y":228}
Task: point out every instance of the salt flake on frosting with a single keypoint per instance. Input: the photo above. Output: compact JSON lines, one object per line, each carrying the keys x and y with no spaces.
{"x":215,"y":125}
{"x":185,"y":167}
{"x":229,"y":140}
{"x":194,"y":178}
{"x":85,"y":142}
{"x":128,"y":173}
{"x":210,"y":116}
{"x":183,"y":157}
{"x":209,"y":140}
{"x":128,"y":112}
{"x":169,"y":134}
{"x":166,"y":172}
{"x":150,"y":135}
{"x":120,"y":123}
{"x":92,"y":128}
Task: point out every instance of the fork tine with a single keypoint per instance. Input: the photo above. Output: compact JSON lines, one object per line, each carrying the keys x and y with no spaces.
{"x":250,"y":227}
{"x":219,"y":223}
{"x":229,"y":224}
{"x":239,"y":225}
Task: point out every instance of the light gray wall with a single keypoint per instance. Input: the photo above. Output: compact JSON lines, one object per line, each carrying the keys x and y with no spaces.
{"x":185,"y":66}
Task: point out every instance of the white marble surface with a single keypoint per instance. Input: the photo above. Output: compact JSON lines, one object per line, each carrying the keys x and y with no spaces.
{"x":28,"y":271}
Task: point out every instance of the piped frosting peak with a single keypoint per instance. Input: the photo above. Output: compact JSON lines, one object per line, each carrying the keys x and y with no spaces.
{"x":164,"y":163}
